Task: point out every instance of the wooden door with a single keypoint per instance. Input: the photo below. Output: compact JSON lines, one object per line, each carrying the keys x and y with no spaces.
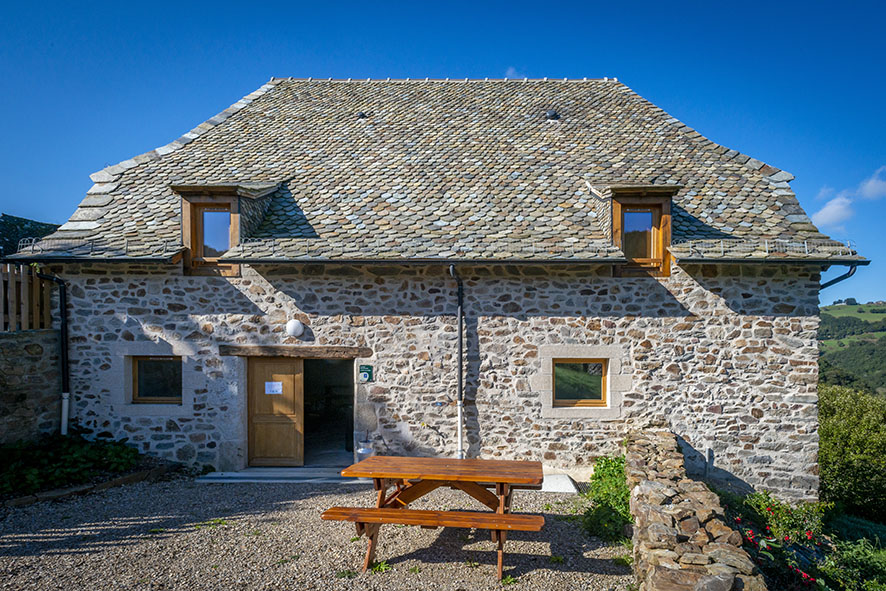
{"x":276,"y":411}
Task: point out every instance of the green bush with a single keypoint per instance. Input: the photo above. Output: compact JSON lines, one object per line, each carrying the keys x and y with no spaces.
{"x":852,"y":451}
{"x":604,"y":522}
{"x":610,"y":496}
{"x":856,"y":566}
{"x":801,"y":523}
{"x":60,"y":461}
{"x":848,"y":527}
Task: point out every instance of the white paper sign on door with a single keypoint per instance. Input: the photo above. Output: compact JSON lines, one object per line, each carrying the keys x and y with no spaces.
{"x":273,"y":387}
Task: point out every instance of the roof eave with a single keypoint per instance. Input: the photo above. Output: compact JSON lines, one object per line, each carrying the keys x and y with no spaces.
{"x":49,"y":258}
{"x":773,"y":261}
{"x":421,"y":261}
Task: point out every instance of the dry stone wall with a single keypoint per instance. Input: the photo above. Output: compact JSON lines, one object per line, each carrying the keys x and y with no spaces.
{"x":30,"y":385}
{"x":726,"y":356}
{"x":681,"y":540}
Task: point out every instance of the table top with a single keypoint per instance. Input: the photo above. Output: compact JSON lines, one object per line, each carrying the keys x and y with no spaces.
{"x":494,"y":471}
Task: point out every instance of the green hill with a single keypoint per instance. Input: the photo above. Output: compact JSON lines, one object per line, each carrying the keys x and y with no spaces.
{"x":853,"y":346}
{"x":867,"y":312}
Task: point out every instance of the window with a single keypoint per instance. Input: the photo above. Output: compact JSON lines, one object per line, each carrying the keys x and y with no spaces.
{"x":580,"y":382}
{"x":639,"y":229}
{"x":213,"y":235}
{"x":642,"y":229}
{"x":157,"y":380}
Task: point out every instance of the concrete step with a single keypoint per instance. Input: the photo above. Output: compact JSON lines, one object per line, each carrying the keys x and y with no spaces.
{"x":315,"y":474}
{"x":559,"y":483}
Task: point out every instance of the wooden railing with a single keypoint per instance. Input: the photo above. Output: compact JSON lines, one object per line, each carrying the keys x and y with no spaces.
{"x":24,"y":299}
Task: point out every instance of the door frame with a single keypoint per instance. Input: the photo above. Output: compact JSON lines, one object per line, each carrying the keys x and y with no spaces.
{"x":363,"y":410}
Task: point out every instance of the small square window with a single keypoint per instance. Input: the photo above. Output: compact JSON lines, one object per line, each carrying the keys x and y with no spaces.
{"x":580,"y":382}
{"x":157,"y":380}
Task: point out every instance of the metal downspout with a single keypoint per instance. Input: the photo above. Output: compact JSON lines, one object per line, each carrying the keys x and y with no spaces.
{"x":843,"y":277}
{"x":460,"y":402}
{"x":63,"y":319}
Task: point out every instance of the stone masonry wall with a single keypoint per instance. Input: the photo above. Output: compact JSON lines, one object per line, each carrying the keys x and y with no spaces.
{"x":681,"y":540}
{"x":30,"y":384}
{"x":726,"y":356}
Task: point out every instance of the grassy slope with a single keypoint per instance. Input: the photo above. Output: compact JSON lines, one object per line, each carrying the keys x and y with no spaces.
{"x":831,"y":345}
{"x":858,"y":355}
{"x":867,"y":316}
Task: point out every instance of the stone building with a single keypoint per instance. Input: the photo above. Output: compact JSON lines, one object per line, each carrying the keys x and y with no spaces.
{"x":282,"y":280}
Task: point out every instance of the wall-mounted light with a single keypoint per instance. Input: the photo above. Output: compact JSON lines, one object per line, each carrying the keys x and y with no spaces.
{"x":295,"y":328}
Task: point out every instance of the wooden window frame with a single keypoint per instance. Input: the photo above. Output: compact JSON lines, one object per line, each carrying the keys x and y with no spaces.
{"x":136,"y":399}
{"x":659,"y":265}
{"x":586,"y":402}
{"x":192,"y":232}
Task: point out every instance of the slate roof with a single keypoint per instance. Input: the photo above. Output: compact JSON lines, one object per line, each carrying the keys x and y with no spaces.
{"x":13,"y":229}
{"x":434,"y":169}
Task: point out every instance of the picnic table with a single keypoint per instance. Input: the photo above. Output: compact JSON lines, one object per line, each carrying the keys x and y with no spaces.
{"x":491,"y":482}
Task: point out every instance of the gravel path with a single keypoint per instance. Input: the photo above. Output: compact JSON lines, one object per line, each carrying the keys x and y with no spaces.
{"x":178,"y":534}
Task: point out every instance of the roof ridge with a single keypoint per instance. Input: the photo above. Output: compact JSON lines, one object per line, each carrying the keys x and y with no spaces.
{"x":427,"y":79}
{"x":105,"y":179}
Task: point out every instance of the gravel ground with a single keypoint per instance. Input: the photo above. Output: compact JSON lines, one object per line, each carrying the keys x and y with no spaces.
{"x":177,"y":534}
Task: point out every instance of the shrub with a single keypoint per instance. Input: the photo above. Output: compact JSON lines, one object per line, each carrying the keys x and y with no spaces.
{"x":856,"y":566}
{"x":609,"y":485}
{"x":848,"y":527}
{"x":604,"y":522}
{"x":785,"y":541}
{"x":60,"y":461}
{"x":800,"y":523}
{"x":852,"y":450}
{"x":610,"y":496}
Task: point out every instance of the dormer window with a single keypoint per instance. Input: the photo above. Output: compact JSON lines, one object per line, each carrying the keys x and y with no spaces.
{"x":212,"y":220}
{"x":641,"y":228}
{"x":210,"y":227}
{"x":213,"y":232}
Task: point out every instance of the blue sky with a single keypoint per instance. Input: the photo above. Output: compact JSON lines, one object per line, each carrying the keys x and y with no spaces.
{"x":800,"y":86}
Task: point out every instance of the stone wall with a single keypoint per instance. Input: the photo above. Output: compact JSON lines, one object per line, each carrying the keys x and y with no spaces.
{"x":726,"y":356}
{"x":30,"y":384}
{"x":681,"y":540}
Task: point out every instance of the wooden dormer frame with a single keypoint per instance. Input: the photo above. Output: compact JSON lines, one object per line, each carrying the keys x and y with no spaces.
{"x":193,"y":200}
{"x":658,"y":199}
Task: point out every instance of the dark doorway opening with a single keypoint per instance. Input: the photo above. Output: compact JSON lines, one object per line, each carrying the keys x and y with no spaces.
{"x":329,"y":412}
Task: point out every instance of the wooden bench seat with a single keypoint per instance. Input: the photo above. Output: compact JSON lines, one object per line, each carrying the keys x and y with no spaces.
{"x":468,"y":519}
{"x":369,"y":520}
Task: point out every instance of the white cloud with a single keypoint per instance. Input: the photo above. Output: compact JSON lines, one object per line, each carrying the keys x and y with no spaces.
{"x":824,"y":193}
{"x":874,"y":187}
{"x":834,"y":212}
{"x":839,"y":209}
{"x":513,"y":72}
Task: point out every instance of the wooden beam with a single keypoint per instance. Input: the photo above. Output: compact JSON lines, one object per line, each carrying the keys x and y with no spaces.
{"x":24,"y":297}
{"x":46,"y":288}
{"x":3,"y":271}
{"x":479,"y":493}
{"x":12,"y":299}
{"x":301,"y":351}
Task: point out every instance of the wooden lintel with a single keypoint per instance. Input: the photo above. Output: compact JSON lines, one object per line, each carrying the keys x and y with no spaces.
{"x":300,"y":351}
